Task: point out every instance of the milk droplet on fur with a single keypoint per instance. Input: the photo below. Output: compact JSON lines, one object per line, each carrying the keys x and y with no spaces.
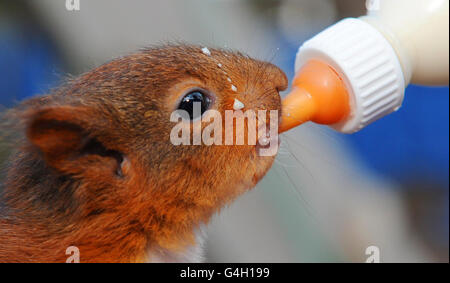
{"x":219,"y":65}
{"x":263,"y":140}
{"x":233,"y":88}
{"x":228,"y":79}
{"x":206,"y":51}
{"x":238,"y":105}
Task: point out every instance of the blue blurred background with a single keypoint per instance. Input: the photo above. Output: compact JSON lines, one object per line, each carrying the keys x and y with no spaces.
{"x":407,"y":152}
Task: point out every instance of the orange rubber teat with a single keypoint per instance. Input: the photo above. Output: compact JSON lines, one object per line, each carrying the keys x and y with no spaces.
{"x":318,"y":94}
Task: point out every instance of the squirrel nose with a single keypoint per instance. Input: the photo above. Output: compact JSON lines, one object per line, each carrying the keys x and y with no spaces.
{"x":276,"y":77}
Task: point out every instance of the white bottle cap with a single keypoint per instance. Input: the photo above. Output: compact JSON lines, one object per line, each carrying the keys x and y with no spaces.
{"x":368,"y":65}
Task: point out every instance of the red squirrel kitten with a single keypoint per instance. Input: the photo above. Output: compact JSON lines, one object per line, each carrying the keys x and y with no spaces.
{"x":96,"y":168}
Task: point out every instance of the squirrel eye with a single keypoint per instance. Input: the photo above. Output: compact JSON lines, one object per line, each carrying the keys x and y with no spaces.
{"x":187,"y":103}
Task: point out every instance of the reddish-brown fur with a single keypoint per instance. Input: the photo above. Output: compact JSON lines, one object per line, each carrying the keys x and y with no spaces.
{"x":65,"y":185}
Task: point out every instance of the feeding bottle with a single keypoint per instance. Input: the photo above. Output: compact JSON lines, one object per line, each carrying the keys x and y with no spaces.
{"x":356,"y":71}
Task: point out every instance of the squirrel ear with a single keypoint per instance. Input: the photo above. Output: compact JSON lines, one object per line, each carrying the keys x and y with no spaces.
{"x":65,"y":136}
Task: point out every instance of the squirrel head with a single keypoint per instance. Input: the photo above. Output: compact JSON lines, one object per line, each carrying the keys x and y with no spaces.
{"x":109,"y":130}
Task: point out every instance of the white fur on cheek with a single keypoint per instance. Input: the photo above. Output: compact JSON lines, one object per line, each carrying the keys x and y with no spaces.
{"x":192,"y":254}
